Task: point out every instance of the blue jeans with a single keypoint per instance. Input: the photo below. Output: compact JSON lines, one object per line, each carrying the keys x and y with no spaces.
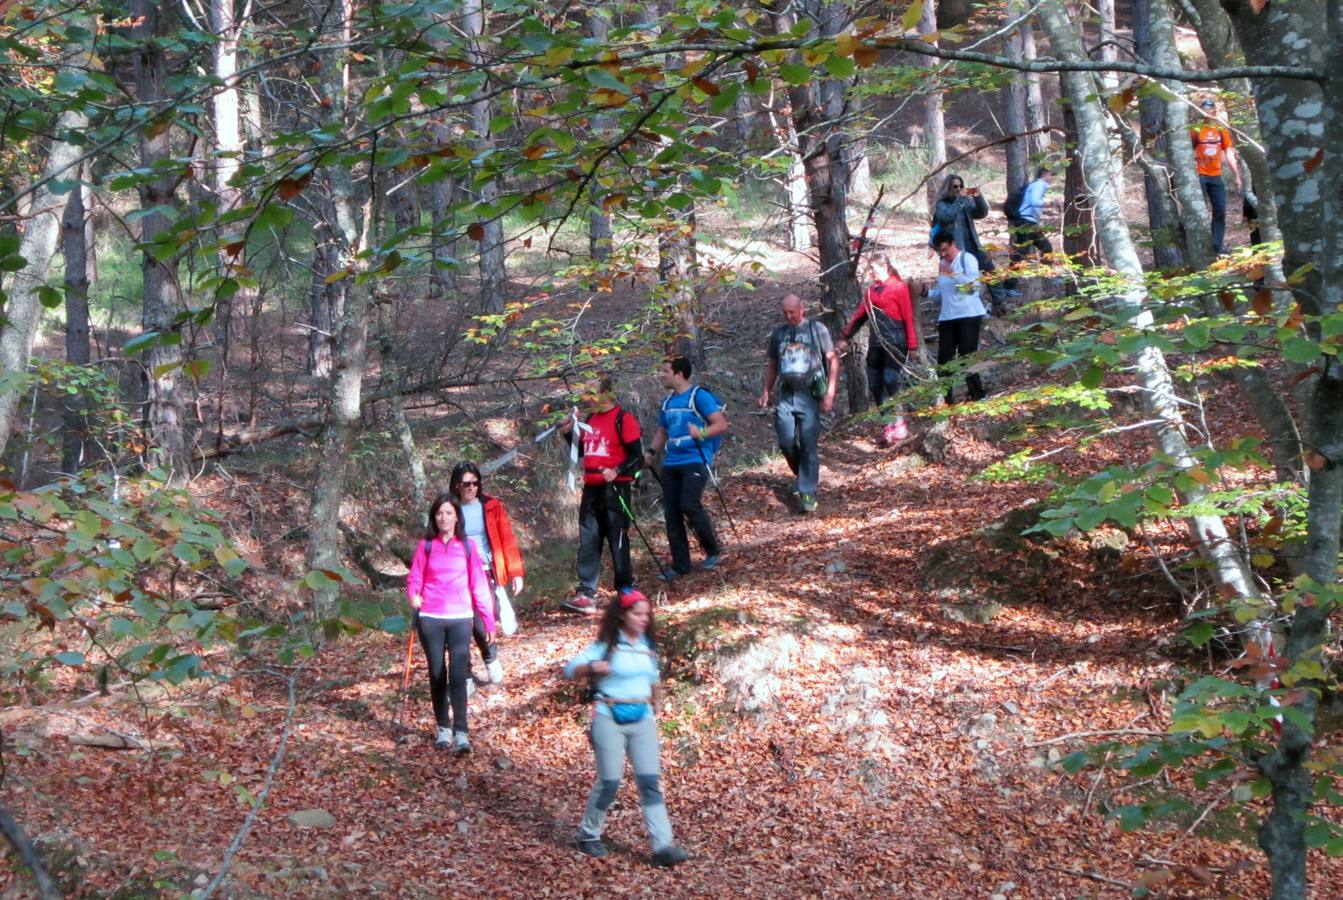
{"x":797,"y":422}
{"x":1215,"y":191}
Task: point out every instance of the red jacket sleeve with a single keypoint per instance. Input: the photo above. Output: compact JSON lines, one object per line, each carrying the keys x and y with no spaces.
{"x":503,"y":543}
{"x":859,"y":316}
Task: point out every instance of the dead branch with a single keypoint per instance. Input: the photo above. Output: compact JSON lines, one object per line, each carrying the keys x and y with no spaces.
{"x":46,"y":888}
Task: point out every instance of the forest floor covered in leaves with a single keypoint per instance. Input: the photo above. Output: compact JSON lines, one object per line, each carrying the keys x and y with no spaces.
{"x":841,"y":722}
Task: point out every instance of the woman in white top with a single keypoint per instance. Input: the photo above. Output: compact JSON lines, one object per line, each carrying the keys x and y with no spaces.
{"x":961,"y":313}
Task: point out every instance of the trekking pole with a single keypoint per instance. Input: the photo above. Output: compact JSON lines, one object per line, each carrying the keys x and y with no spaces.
{"x":713,"y":480}
{"x":635,"y":522}
{"x":405,"y":679}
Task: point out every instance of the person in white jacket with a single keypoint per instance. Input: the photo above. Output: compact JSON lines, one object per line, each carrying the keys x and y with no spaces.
{"x":961,"y":312}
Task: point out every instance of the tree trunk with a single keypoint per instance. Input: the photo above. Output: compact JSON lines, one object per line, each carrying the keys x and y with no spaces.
{"x":75,"y":249}
{"x":325,"y":302}
{"x":860,"y":169}
{"x":934,"y":122}
{"x":1208,"y":533}
{"x":37,"y":246}
{"x":821,"y":145}
{"x":1078,"y":236}
{"x":1161,"y":215}
{"x":1309,"y":204}
{"x":164,"y":407}
{"x":599,"y":221}
{"x":492,"y":276}
{"x":342,"y":421}
{"x":795,"y":181}
{"x":226,"y":106}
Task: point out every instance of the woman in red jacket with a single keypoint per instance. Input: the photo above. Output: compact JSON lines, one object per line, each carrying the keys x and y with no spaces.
{"x":887,"y":306}
{"x":446,"y":588}
{"x":487,"y":526}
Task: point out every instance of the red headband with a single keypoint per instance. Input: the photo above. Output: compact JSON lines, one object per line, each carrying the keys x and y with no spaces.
{"x":630,"y":597}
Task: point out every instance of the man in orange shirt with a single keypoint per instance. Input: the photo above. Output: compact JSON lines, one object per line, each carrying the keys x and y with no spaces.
{"x":1212,"y":146}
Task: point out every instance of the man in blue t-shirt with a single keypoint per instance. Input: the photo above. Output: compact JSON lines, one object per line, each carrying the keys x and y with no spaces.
{"x":689,"y":422}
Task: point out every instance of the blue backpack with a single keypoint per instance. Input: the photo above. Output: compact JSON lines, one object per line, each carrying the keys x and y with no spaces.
{"x":712,"y":444}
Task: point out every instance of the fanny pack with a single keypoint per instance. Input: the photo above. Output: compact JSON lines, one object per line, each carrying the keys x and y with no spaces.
{"x":628,"y":713}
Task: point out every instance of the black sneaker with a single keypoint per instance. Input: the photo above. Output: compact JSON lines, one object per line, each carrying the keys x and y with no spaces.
{"x":595,"y":849}
{"x":669,"y":856}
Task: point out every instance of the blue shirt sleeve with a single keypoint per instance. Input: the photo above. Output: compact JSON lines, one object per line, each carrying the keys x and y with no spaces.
{"x":593,"y":652}
{"x":706,"y":403}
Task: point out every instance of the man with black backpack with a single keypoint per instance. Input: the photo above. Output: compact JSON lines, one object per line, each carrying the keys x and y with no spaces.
{"x":690,"y":427}
{"x":803,"y":362}
{"x":610,"y":445}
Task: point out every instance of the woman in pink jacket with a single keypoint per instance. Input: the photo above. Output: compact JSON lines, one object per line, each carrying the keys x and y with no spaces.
{"x":447,"y":588}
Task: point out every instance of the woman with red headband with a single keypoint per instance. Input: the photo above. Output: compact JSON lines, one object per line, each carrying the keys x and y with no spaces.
{"x":622,"y":665}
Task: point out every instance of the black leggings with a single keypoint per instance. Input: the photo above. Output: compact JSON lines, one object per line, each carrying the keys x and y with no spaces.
{"x":959,"y":337}
{"x":454,"y":637}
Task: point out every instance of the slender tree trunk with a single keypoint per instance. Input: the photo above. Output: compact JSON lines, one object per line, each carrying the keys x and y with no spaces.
{"x":442,"y":195}
{"x":599,"y":221}
{"x":342,"y":421}
{"x":1078,"y":236}
{"x":1161,"y":215}
{"x":37,"y":245}
{"x":821,"y":145}
{"x":795,"y":180}
{"x":164,"y":407}
{"x":75,"y":249}
{"x":934,"y":122}
{"x":324,"y":310}
{"x":226,"y":106}
{"x":860,"y":169}
{"x":1208,"y":533}
{"x":1037,"y":116}
{"x":492,"y":276}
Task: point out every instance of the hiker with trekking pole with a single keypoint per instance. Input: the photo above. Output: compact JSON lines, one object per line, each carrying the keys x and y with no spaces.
{"x":691,"y":425}
{"x":622,"y":670}
{"x":609,"y":444}
{"x":447,"y":588}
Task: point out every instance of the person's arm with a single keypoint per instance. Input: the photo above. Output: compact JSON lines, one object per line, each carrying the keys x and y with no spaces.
{"x":415,"y":578}
{"x":771,"y":373}
{"x":479,"y":586}
{"x":514,"y":569}
{"x":655,"y":446}
{"x":981,"y":206}
{"x":581,"y":666}
{"x":856,"y":322}
{"x":1233,"y":160}
{"x":634,"y":449}
{"x":969,"y":269}
{"x":716,"y":424}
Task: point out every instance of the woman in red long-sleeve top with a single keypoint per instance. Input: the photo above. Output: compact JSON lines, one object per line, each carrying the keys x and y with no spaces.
{"x":447,"y":588}
{"x":888,"y":307}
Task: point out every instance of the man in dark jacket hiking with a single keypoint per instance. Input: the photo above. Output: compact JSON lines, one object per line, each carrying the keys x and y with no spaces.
{"x":610,"y":445}
{"x":689,"y":421}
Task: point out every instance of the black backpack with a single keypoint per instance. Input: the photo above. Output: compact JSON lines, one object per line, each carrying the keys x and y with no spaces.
{"x":1012,"y":205}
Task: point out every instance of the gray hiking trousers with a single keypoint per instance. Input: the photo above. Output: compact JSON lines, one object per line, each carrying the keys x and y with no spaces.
{"x":612,"y":743}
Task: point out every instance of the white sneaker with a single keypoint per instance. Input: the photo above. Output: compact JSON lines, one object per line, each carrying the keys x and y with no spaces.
{"x":496,"y":670}
{"x":461,"y":744}
{"x":444,"y":737}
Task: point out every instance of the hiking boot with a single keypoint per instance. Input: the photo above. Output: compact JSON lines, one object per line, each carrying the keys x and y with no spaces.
{"x":444,"y":737}
{"x":808,"y":502}
{"x":669,"y":856}
{"x":669,"y":575}
{"x":595,"y":849}
{"x":496,"y":670}
{"x":710,"y":563}
{"x":461,"y":744}
{"x":793,"y":489}
{"x":581,"y":603}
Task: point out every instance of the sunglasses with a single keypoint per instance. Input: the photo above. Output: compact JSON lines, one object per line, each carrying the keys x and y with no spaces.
{"x":469,"y":483}
{"x":957,"y":187}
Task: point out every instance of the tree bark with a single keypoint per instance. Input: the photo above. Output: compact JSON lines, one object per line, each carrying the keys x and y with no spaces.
{"x":1208,"y":533}
{"x":164,"y":407}
{"x":794,"y":182}
{"x":37,"y":246}
{"x":1161,"y":214}
{"x":599,"y":221}
{"x":492,"y":276}
{"x":342,"y":419}
{"x":75,"y":249}
{"x":226,"y":106}
{"x":934,"y":122}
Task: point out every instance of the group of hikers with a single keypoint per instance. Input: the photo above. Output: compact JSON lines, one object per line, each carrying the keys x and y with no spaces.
{"x":468,"y":564}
